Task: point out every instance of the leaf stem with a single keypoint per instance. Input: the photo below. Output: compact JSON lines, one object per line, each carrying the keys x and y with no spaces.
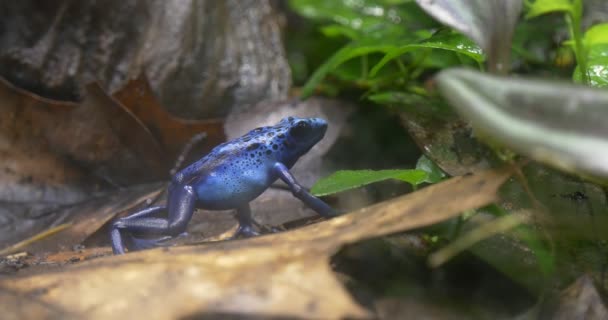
{"x":573,"y":18}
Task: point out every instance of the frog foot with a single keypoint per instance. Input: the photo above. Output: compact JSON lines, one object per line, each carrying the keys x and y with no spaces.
{"x":244,"y":231}
{"x":149,"y":243}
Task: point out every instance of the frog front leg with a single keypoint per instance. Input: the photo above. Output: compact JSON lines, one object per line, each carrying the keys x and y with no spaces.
{"x":299,"y":192}
{"x":246,"y":222}
{"x":180,"y":207}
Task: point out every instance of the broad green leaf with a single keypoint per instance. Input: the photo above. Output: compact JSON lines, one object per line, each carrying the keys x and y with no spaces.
{"x":540,"y":7}
{"x":595,"y":49}
{"x":347,"y":179}
{"x":598,"y":51}
{"x":560,"y":124}
{"x":376,"y":18}
{"x":452,"y":42}
{"x":490,"y":23}
{"x":434,"y":173}
{"x":597,"y":71}
{"x":596,"y":35}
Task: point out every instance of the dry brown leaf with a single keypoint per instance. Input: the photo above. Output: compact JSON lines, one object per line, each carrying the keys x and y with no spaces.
{"x":173,"y":133}
{"x":98,"y":134}
{"x":284,"y":274}
{"x":30,"y":168}
{"x":83,"y":219}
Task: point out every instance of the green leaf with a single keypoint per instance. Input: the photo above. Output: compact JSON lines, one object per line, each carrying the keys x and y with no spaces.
{"x":560,"y":124}
{"x":597,"y":71}
{"x":598,"y":51}
{"x":352,"y":50}
{"x":452,"y":42}
{"x":377,"y":18}
{"x":335,"y":30}
{"x":596,"y":35}
{"x":434,"y":173}
{"x":540,"y":7}
{"x":347,"y":179}
{"x":490,"y":23}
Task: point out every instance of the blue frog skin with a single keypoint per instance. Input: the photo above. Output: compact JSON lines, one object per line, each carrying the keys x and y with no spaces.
{"x":229,"y":177}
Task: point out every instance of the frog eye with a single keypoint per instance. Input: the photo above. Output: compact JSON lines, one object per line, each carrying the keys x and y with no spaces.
{"x":300,"y":129}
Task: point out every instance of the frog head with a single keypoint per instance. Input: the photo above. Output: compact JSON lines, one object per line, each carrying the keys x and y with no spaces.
{"x":300,"y":135}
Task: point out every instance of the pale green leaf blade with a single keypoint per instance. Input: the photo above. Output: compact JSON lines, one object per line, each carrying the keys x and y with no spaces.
{"x":560,"y":124}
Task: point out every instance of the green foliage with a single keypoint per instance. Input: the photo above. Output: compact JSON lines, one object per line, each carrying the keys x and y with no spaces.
{"x":380,"y":32}
{"x":573,"y":10}
{"x":347,"y":179}
{"x":393,"y":62}
{"x":596,"y":35}
{"x":596,"y":50}
{"x":446,"y":41}
{"x":490,"y":24}
{"x":540,"y":7}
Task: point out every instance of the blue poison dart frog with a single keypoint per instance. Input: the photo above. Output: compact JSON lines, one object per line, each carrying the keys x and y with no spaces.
{"x":229,"y":177}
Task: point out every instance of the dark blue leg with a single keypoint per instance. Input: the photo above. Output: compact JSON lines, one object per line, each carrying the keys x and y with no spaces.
{"x":148,"y":243}
{"x":299,"y":192}
{"x":246,"y":223}
{"x":115,"y":236}
{"x":182,"y":200}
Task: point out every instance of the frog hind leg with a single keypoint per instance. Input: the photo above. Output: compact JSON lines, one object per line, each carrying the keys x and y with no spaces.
{"x":149,"y":243}
{"x":181,"y":205}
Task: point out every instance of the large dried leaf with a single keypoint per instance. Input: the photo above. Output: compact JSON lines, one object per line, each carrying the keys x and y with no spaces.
{"x":285,"y":274}
{"x":32,"y":171}
{"x":98,"y":134}
{"x":171,"y":132}
{"x":134,"y":144}
{"x":82,"y":220}
{"x":58,"y":153}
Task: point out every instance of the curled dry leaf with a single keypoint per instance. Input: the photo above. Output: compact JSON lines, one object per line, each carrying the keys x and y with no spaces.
{"x":97,"y":134}
{"x":284,"y":274}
